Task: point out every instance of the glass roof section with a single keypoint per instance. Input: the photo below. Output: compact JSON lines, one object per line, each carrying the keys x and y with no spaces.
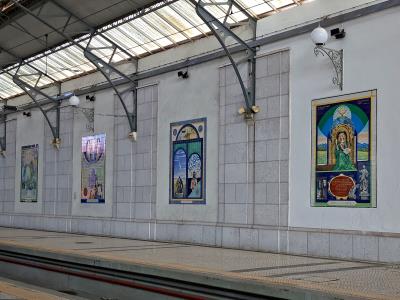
{"x":160,"y":29}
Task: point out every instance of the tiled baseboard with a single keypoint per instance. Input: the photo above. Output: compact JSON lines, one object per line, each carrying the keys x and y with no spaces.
{"x":351,"y":245}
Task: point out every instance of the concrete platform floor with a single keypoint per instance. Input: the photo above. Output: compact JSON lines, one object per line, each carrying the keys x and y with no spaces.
{"x":15,"y":290}
{"x":346,"y":279}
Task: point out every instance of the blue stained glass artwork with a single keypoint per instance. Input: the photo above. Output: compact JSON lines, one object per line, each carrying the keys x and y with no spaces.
{"x":180,"y":171}
{"x":187,"y":180}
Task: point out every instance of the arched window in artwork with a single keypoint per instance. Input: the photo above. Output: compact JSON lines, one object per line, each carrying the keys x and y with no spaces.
{"x":179,"y":174}
{"x":194,"y":176}
{"x":187,"y":162}
{"x":187,"y":132}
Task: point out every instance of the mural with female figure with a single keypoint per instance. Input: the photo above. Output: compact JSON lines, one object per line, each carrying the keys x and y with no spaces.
{"x":344,"y":150}
{"x":187,"y":179}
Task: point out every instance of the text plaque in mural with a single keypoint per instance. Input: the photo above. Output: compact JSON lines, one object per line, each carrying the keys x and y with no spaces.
{"x":93,"y":160}
{"x":344,"y":151}
{"x":187,"y":162}
{"x":29,"y":173}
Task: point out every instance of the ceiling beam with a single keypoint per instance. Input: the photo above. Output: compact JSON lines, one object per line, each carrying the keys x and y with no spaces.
{"x":18,"y":13}
{"x":28,"y":64}
{"x":105,"y":67}
{"x":132,"y":15}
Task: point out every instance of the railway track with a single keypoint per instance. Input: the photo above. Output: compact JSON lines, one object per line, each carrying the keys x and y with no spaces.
{"x":96,"y":282}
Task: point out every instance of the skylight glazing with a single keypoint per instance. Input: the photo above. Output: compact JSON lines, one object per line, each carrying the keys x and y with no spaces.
{"x":158,"y":30}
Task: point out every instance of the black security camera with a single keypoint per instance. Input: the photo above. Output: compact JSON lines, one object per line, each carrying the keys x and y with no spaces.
{"x":183,"y":75}
{"x":338,"y":33}
{"x":90,"y":98}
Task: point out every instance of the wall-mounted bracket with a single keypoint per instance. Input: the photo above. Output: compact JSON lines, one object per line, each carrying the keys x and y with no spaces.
{"x":336,"y":57}
{"x":3,"y":132}
{"x":222,"y":31}
{"x":104,"y":67}
{"x":108,"y":70}
{"x":34,"y":92}
{"x":89,"y":115}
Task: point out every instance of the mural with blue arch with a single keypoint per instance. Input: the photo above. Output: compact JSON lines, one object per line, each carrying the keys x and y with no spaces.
{"x":187,"y":171}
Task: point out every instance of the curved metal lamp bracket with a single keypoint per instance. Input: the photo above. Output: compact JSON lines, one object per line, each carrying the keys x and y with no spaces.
{"x":107,"y":69}
{"x":104,"y":67}
{"x":89,"y":115}
{"x":34,"y":92}
{"x":336,"y":57}
{"x":222,"y":31}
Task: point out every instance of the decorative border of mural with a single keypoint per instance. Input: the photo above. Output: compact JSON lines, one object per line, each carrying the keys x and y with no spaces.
{"x":372,"y":95}
{"x":204,"y":161}
{"x":97,"y":199}
{"x":32,"y":199}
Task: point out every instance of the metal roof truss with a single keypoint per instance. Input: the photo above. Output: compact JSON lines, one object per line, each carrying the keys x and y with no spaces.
{"x":222,"y":32}
{"x":97,"y":44}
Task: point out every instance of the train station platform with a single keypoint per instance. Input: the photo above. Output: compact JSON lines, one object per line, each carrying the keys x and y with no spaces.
{"x":14,"y":290}
{"x":173,"y":270}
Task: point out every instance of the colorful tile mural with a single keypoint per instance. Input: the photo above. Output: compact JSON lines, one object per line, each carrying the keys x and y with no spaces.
{"x":344,"y":150}
{"x":93,"y":168}
{"x":187,"y":171}
{"x":29,"y":173}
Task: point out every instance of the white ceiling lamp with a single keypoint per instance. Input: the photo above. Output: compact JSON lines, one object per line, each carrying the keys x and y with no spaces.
{"x":74,"y":100}
{"x":320,"y":36}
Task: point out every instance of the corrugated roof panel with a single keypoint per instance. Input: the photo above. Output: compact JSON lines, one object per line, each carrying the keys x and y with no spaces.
{"x":103,"y":49}
{"x":218,"y":11}
{"x":139,"y":51}
{"x":179,"y":21}
{"x":8,"y":87}
{"x":168,"y":25}
{"x":58,"y":63}
{"x":96,"y":45}
{"x":261,"y":9}
{"x":281,"y":3}
{"x":31,"y":76}
{"x":187,"y":9}
{"x":145,"y":32}
{"x":39,"y":64}
{"x":164,"y":28}
{"x":75,"y":54}
{"x":79,"y":57}
{"x":7,"y":83}
{"x":123,"y":38}
{"x":222,"y":9}
{"x":239,"y":12}
{"x":194,"y":27}
{"x":239,"y":15}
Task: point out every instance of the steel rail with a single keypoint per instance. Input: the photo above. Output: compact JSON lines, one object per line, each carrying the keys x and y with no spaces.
{"x":150,"y":283}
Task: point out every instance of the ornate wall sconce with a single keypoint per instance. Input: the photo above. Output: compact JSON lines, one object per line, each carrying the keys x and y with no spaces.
{"x":320,"y":36}
{"x":87,"y":112}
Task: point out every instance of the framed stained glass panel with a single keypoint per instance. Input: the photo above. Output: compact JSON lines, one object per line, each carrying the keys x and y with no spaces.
{"x":344,"y":151}
{"x":29,"y":173}
{"x":187,"y":162}
{"x":93,"y":169}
